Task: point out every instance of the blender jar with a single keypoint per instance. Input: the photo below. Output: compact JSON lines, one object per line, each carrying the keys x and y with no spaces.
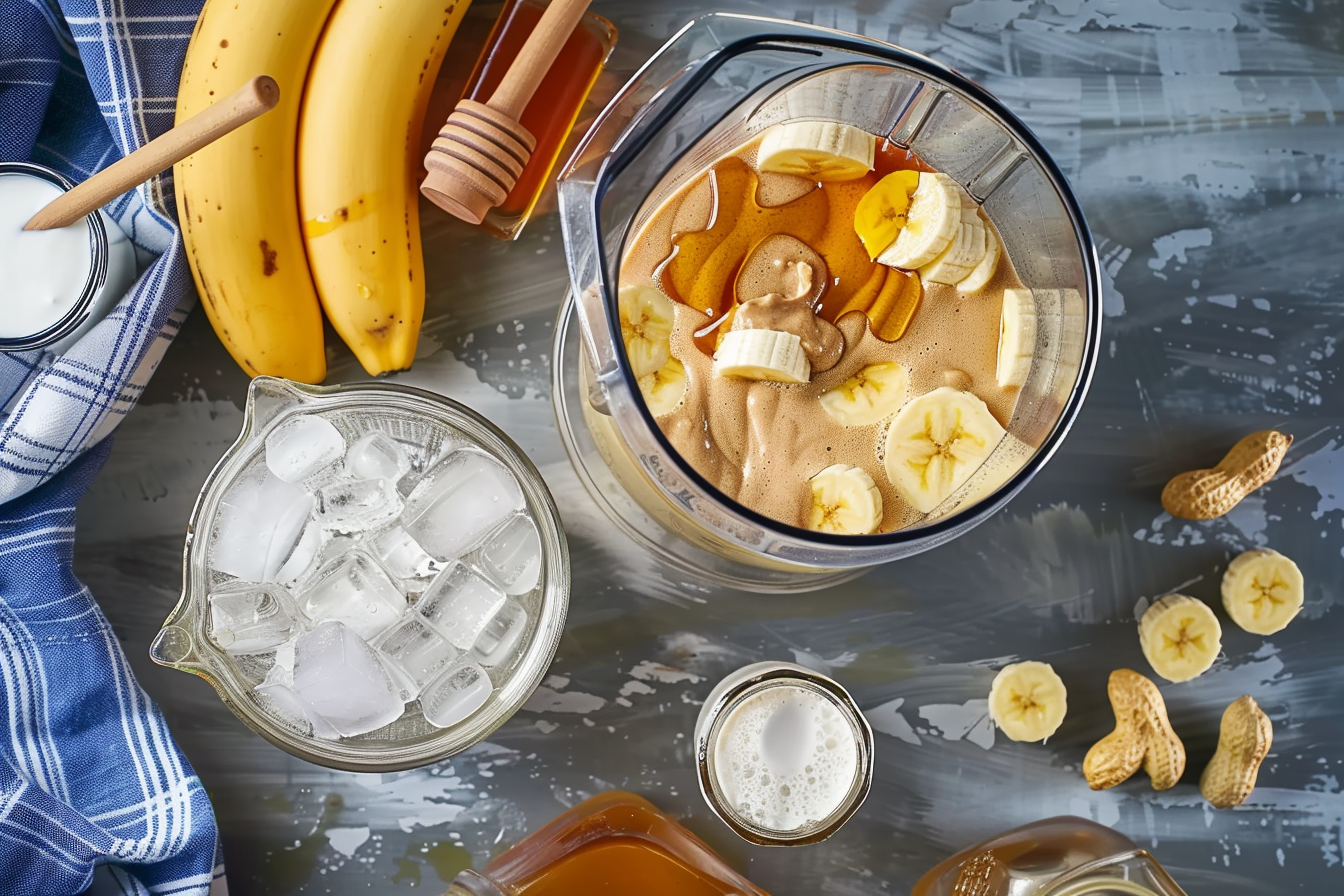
{"x":722,"y":79}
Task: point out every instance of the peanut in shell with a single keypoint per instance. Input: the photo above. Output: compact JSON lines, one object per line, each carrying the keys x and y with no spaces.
{"x":1143,"y":737}
{"x":1208,"y":494}
{"x":1244,"y":739}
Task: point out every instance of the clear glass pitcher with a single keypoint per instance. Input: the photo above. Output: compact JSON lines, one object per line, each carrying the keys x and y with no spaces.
{"x":719,"y":81}
{"x":431,"y":427}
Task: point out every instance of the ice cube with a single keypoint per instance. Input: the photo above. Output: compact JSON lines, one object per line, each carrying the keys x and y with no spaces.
{"x":455,"y":694}
{"x":499,"y":639}
{"x":281,"y":701}
{"x":304,"y":556}
{"x":257,"y":526}
{"x":460,"y":604}
{"x":340,"y":680}
{"x":459,"y":500}
{"x":376,"y":455}
{"x":512,"y":556}
{"x":356,"y":591}
{"x":358,"y":506}
{"x":402,"y":555}
{"x":246,"y":619}
{"x":414,"y":653}
{"x":301,"y":446}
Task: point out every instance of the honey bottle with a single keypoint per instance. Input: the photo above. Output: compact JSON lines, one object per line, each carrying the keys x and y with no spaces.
{"x":617,"y":844}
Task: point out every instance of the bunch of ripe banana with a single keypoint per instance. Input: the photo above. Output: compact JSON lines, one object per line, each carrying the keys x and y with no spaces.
{"x":316,"y":202}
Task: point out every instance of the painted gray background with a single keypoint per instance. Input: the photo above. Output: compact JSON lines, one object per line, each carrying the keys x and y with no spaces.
{"x":1201,"y":136}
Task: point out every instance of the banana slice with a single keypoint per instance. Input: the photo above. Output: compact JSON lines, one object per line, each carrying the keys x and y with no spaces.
{"x":966,"y":251}
{"x":870,"y":395}
{"x":646,"y":325}
{"x":1017,"y":337}
{"x":933,"y":221}
{"x":936,"y":442}
{"x":818,"y":150}
{"x":880,"y":214}
{"x":845,"y":501}
{"x":1180,"y":636}
{"x":664,"y":387}
{"x":1028,"y":701}
{"x":1262,"y":591}
{"x":979,"y":278}
{"x":762,"y":355}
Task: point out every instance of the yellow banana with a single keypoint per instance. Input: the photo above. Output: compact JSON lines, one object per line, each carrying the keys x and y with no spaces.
{"x":237,"y":200}
{"x":359,"y":167}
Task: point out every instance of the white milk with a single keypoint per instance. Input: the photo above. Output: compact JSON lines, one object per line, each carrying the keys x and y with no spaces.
{"x":42,"y":272}
{"x":785,"y":757}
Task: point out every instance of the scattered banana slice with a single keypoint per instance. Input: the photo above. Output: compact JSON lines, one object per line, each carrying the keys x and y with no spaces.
{"x":1180,"y":637}
{"x":664,"y":387}
{"x":1028,"y":701}
{"x":1017,"y":337}
{"x":880,"y":214}
{"x":936,"y":442}
{"x":870,"y":395}
{"x":1262,"y":591}
{"x":934,"y":220}
{"x":979,"y":278}
{"x":646,"y":325}
{"x":762,"y":355}
{"x":966,"y":251}
{"x":818,"y":150}
{"x":845,"y":501}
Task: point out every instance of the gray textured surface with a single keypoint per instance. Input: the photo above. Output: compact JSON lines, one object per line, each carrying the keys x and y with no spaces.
{"x":1201,"y":136}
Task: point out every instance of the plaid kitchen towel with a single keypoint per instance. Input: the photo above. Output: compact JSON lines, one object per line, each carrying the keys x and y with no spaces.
{"x":94,"y":793}
{"x":81,"y":84}
{"x":90,"y":778}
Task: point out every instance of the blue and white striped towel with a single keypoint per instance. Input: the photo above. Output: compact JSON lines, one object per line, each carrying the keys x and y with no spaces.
{"x":80,"y":86}
{"x":94,"y":793}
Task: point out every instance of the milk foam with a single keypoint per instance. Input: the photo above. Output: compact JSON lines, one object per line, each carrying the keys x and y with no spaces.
{"x":44,"y":270}
{"x":785,"y":758}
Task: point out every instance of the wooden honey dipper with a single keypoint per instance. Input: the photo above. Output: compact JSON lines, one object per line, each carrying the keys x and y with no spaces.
{"x":482,"y":148}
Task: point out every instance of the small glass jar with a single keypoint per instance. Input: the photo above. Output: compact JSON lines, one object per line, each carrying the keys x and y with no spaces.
{"x":785,"y":757}
{"x":111,"y":270}
{"x":1062,"y":856}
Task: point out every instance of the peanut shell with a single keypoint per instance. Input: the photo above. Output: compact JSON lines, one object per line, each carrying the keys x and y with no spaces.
{"x":1208,"y":494}
{"x":1244,"y":739}
{"x":1143,"y":737}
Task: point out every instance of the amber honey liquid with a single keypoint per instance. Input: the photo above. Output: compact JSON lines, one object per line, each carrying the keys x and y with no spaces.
{"x":759,"y":443}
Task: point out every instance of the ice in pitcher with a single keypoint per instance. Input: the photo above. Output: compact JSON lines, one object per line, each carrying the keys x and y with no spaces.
{"x":364,"y":585}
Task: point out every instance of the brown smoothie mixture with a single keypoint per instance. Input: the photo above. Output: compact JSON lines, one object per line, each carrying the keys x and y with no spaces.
{"x":736,"y":248}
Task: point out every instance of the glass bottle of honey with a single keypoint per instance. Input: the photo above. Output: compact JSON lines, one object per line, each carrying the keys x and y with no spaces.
{"x":550,"y":115}
{"x":617,"y":844}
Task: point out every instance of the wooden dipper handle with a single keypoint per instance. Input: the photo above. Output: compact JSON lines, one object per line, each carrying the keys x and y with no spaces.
{"x":254,"y":98}
{"x":483,"y":147}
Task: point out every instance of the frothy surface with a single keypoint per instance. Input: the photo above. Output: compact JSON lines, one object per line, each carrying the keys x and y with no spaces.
{"x":760,"y":442}
{"x":785,"y":758}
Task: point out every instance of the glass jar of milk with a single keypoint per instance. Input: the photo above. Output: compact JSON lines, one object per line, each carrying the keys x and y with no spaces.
{"x":785,"y":756}
{"x":54,"y":284}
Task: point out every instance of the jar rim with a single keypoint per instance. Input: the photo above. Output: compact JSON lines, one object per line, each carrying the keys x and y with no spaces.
{"x":93,"y":284}
{"x":743,"y":685}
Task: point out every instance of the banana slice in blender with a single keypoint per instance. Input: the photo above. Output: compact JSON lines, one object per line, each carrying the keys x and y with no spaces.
{"x":845,"y":501}
{"x":932,"y":223}
{"x":936,"y":442}
{"x":979,"y":278}
{"x":646,"y":326}
{"x":869,"y":396}
{"x":664,"y":388}
{"x":817,"y":150}
{"x":1028,"y":701}
{"x":1017,"y":337}
{"x":762,"y":355}
{"x":966,"y":251}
